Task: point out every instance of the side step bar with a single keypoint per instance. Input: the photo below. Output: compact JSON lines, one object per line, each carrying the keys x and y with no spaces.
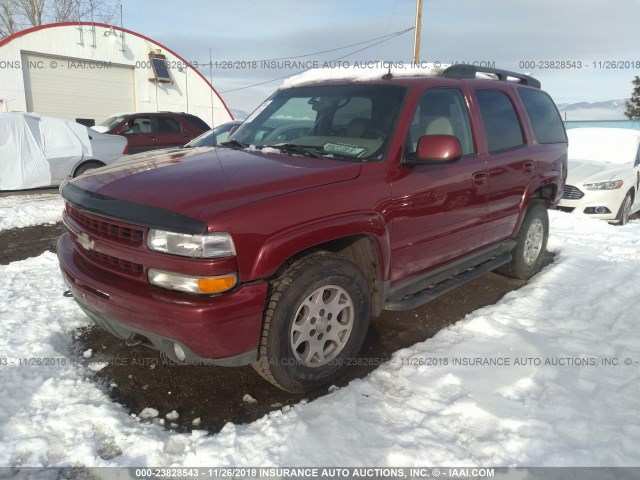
{"x":447,"y":285}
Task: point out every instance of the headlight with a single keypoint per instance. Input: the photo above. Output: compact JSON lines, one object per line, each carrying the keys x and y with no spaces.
{"x":192,"y":283}
{"x":210,"y":245}
{"x":604,"y":185}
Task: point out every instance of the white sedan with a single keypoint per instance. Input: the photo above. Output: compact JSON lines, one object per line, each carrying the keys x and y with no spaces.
{"x":40,"y":151}
{"x":603,"y":175}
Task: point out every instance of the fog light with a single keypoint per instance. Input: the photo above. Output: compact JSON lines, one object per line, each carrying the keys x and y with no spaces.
{"x":596,"y":210}
{"x":180,"y":353}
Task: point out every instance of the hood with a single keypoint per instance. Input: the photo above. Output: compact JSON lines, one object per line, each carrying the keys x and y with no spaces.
{"x":150,"y":153}
{"x":202,"y":185}
{"x":100,"y":128}
{"x":584,"y":171}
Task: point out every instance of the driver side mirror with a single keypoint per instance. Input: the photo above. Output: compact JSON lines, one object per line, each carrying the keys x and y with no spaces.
{"x":435,"y":149}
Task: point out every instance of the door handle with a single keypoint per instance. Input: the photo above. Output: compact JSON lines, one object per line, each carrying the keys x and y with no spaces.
{"x":527,"y":167}
{"x":480,"y":178}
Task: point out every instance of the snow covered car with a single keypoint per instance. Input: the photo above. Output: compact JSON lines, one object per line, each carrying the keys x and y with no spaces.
{"x":40,"y":151}
{"x":603,"y":173}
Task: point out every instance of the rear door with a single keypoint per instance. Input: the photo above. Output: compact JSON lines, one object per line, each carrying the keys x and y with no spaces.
{"x":510,"y":164}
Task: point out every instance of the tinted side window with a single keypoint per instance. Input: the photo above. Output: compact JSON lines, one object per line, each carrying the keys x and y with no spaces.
{"x":500,"y":120}
{"x":167,"y":124}
{"x":441,"y":111}
{"x":197,"y":121}
{"x":544,"y":116}
{"x":139,"y":125}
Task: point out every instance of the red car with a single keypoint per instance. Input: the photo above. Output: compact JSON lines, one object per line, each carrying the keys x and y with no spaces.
{"x":334,"y":201}
{"x":150,"y":131}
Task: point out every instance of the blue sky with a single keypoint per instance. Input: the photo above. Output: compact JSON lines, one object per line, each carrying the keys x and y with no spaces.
{"x":501,"y":31}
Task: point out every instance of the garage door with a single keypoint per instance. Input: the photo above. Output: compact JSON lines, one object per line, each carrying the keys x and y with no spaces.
{"x":70,"y":88}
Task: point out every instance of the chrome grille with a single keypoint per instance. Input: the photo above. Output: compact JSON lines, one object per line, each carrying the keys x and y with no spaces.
{"x":572,"y":193}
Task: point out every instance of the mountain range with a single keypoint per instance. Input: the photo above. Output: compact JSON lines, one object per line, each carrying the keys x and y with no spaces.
{"x":608,"y":110}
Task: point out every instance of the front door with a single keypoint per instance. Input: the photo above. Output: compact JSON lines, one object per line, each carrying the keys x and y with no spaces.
{"x":438,"y":209}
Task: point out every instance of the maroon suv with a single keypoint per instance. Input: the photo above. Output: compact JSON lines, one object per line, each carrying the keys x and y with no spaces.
{"x":334,"y":201}
{"x":150,"y":131}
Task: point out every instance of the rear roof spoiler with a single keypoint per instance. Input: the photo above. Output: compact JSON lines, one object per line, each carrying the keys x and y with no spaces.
{"x":465,"y":71}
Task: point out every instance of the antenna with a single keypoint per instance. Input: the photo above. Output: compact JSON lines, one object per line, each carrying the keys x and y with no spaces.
{"x":388,"y":75}
{"x":122,"y":29}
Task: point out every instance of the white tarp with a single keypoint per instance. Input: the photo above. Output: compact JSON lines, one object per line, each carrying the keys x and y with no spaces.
{"x":31,"y":145}
{"x":22,"y":160}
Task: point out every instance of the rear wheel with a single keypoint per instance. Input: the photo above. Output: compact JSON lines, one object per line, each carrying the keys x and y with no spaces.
{"x":87,"y":167}
{"x":316,"y":321}
{"x":625,"y":209}
{"x":528,"y":254}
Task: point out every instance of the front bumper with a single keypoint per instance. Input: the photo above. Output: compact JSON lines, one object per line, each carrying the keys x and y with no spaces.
{"x":221,"y":330}
{"x":611,"y":199}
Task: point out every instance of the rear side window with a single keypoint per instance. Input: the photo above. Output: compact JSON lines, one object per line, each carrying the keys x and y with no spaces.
{"x":167,"y":124}
{"x":544,"y":116}
{"x":500,"y":120}
{"x":197,"y":121}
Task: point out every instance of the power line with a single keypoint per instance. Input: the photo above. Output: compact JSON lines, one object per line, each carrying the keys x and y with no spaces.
{"x":388,"y":35}
{"x":393,"y":12}
{"x":394,"y":35}
{"x":400,"y":32}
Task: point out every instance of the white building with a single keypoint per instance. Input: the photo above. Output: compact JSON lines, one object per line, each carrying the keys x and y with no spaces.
{"x":90,"y":71}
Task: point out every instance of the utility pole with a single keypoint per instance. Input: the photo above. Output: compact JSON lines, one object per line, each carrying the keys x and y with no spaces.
{"x":416,"y":38}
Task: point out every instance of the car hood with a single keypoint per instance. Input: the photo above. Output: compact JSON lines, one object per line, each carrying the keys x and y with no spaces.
{"x":150,"y":153}
{"x":584,"y":171}
{"x":202,"y":185}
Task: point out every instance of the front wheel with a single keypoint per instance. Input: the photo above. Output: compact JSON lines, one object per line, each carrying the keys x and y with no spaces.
{"x":315,"y":322}
{"x":528,"y":254}
{"x":625,"y":209}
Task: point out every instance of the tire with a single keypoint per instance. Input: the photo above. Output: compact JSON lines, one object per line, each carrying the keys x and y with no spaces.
{"x":87,"y":166}
{"x":625,"y":207}
{"x":531,"y":245}
{"x":300,"y":315}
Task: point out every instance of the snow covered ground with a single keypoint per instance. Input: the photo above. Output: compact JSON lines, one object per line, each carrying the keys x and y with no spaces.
{"x":25,"y":210}
{"x":570,"y":410}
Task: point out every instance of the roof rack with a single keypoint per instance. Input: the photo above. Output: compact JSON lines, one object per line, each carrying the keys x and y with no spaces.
{"x":464,"y":70}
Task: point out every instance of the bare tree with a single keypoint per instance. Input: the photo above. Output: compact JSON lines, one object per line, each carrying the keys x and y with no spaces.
{"x":7,"y":19}
{"x":16,"y":15}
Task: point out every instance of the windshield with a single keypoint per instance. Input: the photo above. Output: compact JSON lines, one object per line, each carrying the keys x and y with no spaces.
{"x":111,"y":121}
{"x":603,"y":145}
{"x":204,"y":140}
{"x":346,"y":121}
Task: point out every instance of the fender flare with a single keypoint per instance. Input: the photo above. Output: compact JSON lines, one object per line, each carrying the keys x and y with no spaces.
{"x":277,"y":249}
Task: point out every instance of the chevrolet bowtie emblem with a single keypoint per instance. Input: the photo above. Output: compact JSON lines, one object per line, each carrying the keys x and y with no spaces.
{"x":86,"y":242}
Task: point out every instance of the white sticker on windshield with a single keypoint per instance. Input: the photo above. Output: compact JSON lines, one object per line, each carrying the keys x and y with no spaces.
{"x":344,"y":149}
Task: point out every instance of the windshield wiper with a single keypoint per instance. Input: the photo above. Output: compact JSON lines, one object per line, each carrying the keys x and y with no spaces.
{"x":292,"y":147}
{"x":232,"y":144}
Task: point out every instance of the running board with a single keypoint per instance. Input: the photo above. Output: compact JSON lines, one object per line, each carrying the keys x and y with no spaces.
{"x":447,"y":285}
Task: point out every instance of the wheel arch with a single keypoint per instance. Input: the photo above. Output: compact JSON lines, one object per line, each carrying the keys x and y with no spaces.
{"x":86,"y":162}
{"x":367,"y":248}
